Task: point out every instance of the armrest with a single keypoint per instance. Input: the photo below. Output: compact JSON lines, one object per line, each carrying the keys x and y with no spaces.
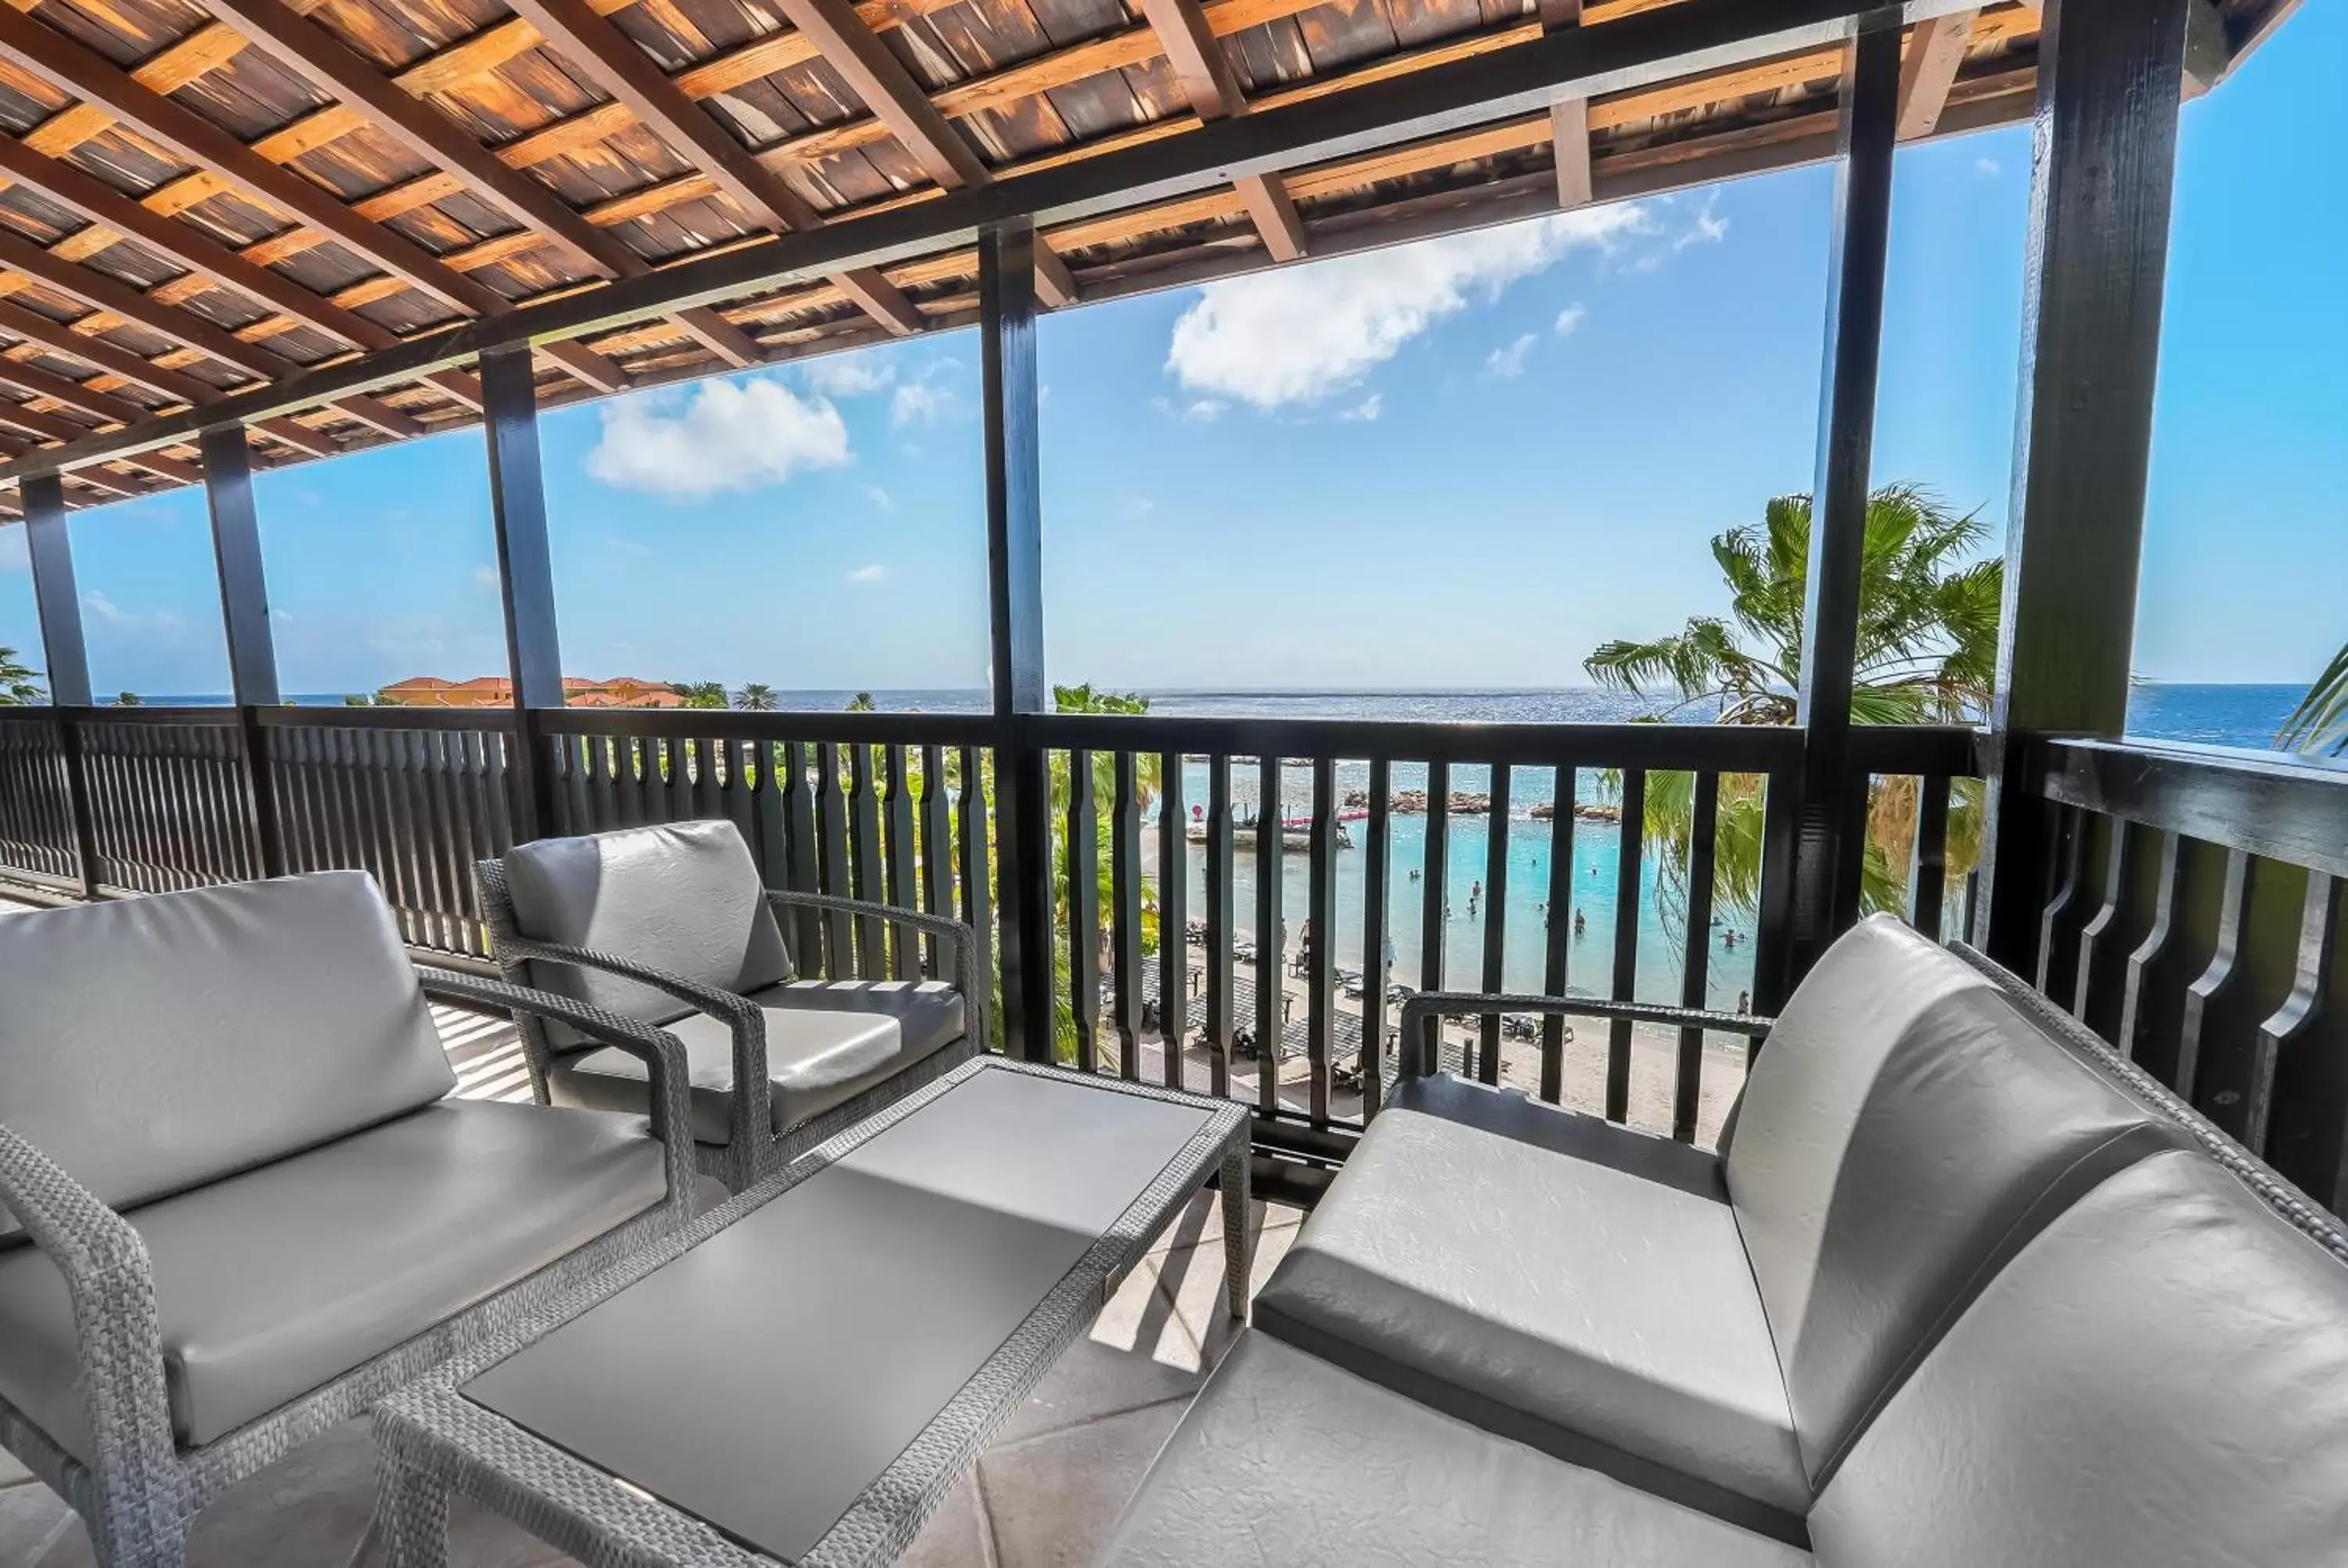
{"x":752,"y":1113}
{"x":672,"y":1085}
{"x":967,"y":978}
{"x":112,"y":1288}
{"x":1420,"y":1014}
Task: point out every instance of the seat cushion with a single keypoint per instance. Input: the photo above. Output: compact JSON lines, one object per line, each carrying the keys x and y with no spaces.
{"x":149,"y":1045}
{"x":930,"y":1011}
{"x":2159,"y":1379}
{"x":1590,"y":1297}
{"x":1286,"y":1458}
{"x":816,"y":1057}
{"x":271,"y":1282}
{"x":684,"y":897}
{"x":1903,"y":1129}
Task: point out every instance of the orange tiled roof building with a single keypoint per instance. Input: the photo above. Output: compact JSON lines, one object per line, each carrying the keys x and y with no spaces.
{"x":497,"y":691}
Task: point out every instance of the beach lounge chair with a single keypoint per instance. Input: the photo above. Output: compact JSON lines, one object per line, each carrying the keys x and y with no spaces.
{"x":672,"y":926}
{"x":240,"y":1205}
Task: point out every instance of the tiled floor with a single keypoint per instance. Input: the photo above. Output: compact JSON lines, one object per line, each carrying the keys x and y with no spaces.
{"x":1043,"y":1495}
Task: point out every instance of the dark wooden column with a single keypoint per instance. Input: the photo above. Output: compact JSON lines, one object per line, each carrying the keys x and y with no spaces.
{"x":1014,"y":563}
{"x":2110,"y":74}
{"x":65,"y":659}
{"x":1831,"y":805}
{"x":525,"y":577}
{"x":244,"y":614}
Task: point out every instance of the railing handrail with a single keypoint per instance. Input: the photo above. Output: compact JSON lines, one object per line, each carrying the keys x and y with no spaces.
{"x":2258,"y":803}
{"x":290,"y":717}
{"x":736,"y":724}
{"x":1705,"y":747}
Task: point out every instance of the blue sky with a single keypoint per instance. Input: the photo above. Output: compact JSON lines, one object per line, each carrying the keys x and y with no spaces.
{"x":1462,"y":463}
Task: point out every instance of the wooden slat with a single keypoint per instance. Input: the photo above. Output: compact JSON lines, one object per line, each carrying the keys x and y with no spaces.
{"x":1271,"y":962}
{"x":1378,"y":870}
{"x":1212,"y":90}
{"x":1082,"y":863}
{"x":1173,"y":918}
{"x":1628,"y":871}
{"x":1558,"y":939}
{"x":86,"y":75}
{"x":629,"y":74}
{"x":1221,"y":915}
{"x":1935,"y":50}
{"x":1321,"y":938}
{"x":888,"y":89}
{"x":1125,"y":890}
{"x":1704,"y":829}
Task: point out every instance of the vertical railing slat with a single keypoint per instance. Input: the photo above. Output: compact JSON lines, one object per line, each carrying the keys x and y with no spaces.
{"x":1629,"y":869}
{"x":903,"y":891}
{"x":1222,"y":997}
{"x":1377,"y":873}
{"x":1704,"y":830}
{"x":1081,"y":864}
{"x":1495,"y":911}
{"x":1557,"y":939}
{"x":1173,"y":918}
{"x":1270,"y":960}
{"x":1321,"y":933}
{"x":1125,"y":890}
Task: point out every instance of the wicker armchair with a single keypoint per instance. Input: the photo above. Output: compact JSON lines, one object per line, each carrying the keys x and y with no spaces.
{"x":672,"y":926}
{"x":249,"y":1209}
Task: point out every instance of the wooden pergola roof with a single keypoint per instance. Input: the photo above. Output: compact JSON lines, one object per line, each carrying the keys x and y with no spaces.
{"x":197,"y":201}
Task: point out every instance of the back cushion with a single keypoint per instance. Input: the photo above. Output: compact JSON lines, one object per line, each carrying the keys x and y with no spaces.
{"x":684,"y":898}
{"x":1902,"y":1119}
{"x":151,"y":1045}
{"x":2159,"y":1379}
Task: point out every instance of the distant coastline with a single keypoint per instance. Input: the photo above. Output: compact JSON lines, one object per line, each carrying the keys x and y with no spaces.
{"x":2204,"y":713}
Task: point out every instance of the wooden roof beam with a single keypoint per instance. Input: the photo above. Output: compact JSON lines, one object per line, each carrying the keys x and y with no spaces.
{"x":1569,"y":119}
{"x":316,"y":55}
{"x":1928,"y":70}
{"x":34,"y":327}
{"x":65,"y":389}
{"x":183,"y":243}
{"x":616,"y":65}
{"x":1213,"y":91}
{"x":86,"y":75}
{"x":888,"y":89}
{"x":49,"y":426}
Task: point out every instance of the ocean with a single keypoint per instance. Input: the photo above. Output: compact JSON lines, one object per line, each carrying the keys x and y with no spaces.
{"x":2226,"y":715}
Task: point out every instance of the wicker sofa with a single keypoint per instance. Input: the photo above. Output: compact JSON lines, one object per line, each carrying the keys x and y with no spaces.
{"x":1961,"y":1288}
{"x":238,"y":1204}
{"x":672,"y":926}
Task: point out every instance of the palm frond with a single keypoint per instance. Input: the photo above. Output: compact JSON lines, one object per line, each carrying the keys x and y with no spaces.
{"x":2319,"y":725}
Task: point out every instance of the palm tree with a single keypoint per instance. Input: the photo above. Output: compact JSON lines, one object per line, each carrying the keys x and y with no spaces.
{"x":20,"y":684}
{"x":2319,"y":725}
{"x":756,"y":698}
{"x":129,"y":700}
{"x":699,"y":693}
{"x":1926,"y":654}
{"x":862,"y":703}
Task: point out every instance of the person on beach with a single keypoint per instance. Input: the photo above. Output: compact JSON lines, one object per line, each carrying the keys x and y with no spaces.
{"x":1581,"y":923}
{"x":1743,"y":1003}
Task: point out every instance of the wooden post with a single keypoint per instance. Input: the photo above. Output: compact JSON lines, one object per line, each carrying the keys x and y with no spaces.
{"x":2110,"y":74}
{"x":66,"y":660}
{"x":1830,"y":821}
{"x":1014,"y":563}
{"x":525,"y":576}
{"x":244,"y":615}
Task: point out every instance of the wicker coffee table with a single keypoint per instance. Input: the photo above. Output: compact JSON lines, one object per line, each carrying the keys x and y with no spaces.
{"x":800,"y":1376}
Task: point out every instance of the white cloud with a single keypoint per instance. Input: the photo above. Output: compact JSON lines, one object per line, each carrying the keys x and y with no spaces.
{"x":485,"y":578}
{"x":729,"y":436}
{"x":1299,"y":334}
{"x":878,"y":496}
{"x":105,"y":608}
{"x":1709,"y":228}
{"x":1365,"y":411}
{"x":868,"y":574}
{"x":1568,"y":319}
{"x":1205,"y":411}
{"x":848,"y":376}
{"x":1987,"y":165}
{"x":924,"y":402}
{"x":1508,"y":364}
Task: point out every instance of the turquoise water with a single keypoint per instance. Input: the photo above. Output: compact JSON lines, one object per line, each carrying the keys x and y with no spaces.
{"x":1590,"y":955}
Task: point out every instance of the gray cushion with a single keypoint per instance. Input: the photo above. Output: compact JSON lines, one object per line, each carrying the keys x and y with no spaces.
{"x":930,"y":1010}
{"x":273,"y":1282}
{"x":816,"y":1058}
{"x":151,"y":1045}
{"x":1903,"y":1126}
{"x":2158,"y":1379}
{"x":1596,"y":1305}
{"x":1286,"y":1458}
{"x":684,"y":898}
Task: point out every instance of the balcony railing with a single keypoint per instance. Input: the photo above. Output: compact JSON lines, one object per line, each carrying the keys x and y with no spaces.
{"x":2192,"y":896}
{"x":1160,"y":967}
